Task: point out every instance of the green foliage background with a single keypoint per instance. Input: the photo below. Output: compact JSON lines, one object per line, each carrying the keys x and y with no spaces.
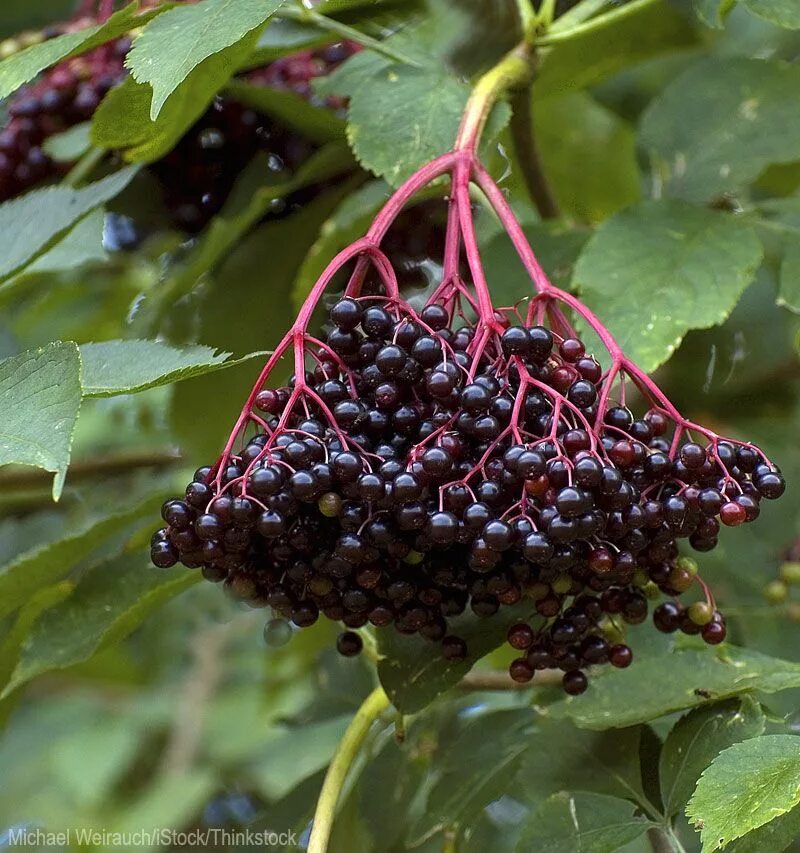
{"x":131,"y":697}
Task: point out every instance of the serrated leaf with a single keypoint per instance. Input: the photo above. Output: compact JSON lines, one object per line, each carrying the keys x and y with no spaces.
{"x":41,"y":396}
{"x":697,"y":738}
{"x":741,"y":105}
{"x":775,"y":836}
{"x":575,"y":128}
{"x":402,"y":116}
{"x":123,"y":121}
{"x":178,"y":41}
{"x":477,"y":768}
{"x":24,"y":66}
{"x":591,"y":823}
{"x":641,"y":31}
{"x":746,"y":786}
{"x":38,"y":567}
{"x":127,"y":367}
{"x":318,"y":124}
{"x":106,"y":604}
{"x":413,"y":672}
{"x":660,"y":268}
{"x":784,"y":13}
{"x":29,"y":224}
{"x":675,"y":680}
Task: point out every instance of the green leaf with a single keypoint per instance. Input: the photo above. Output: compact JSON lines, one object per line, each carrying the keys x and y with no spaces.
{"x":697,"y":738}
{"x":318,"y":124}
{"x":741,"y":105}
{"x":69,"y":145}
{"x":747,"y":785}
{"x":178,"y":41}
{"x":591,"y":823}
{"x":643,"y":32}
{"x":401,"y":116}
{"x":127,"y":367}
{"x":557,"y":246}
{"x":123,"y":121}
{"x":279,"y":767}
{"x":24,"y":66}
{"x":82,"y":245}
{"x":774,"y":836}
{"x":477,"y":768}
{"x":107,"y":603}
{"x":575,"y":128}
{"x":680,"y":678}
{"x":414,"y":673}
{"x":784,"y":13}
{"x":29,"y":224}
{"x":12,"y":642}
{"x":563,"y":757}
{"x":38,"y":567}
{"x":387,"y":787}
{"x":41,"y":396}
{"x":660,"y":268}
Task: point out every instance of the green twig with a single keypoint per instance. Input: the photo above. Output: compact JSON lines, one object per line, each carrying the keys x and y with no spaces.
{"x":579,"y":13}
{"x":556,"y":36}
{"x":303,"y":15}
{"x":528,"y":19}
{"x":374,"y":705}
{"x":547,"y":12}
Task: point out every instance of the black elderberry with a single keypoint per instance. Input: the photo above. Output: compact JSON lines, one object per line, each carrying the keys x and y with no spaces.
{"x":575,"y":682}
{"x":349,"y":644}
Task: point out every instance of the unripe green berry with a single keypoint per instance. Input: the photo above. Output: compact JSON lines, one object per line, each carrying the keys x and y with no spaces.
{"x":790,"y":573}
{"x":651,"y":591}
{"x":687,"y":564}
{"x":562,"y":584}
{"x":776,"y":592}
{"x":330,"y":504}
{"x":701,"y":612}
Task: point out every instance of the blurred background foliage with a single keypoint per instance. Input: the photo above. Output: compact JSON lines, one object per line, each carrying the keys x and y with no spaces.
{"x":126,"y":704}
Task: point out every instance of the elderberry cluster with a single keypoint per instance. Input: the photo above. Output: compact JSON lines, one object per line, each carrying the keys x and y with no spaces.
{"x":198,"y":175}
{"x":425,"y":467}
{"x":66,"y":95}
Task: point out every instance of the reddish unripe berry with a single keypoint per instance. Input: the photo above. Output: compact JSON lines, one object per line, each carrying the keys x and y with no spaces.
{"x":520,"y":636}
{"x":733,"y":514}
